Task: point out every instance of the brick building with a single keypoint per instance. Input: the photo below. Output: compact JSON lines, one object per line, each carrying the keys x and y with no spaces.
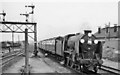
{"x":110,"y":36}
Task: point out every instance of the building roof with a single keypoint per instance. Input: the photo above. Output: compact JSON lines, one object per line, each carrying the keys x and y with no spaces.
{"x":110,"y":34}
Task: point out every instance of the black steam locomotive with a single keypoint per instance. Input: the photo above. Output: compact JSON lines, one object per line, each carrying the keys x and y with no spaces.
{"x":82,"y":50}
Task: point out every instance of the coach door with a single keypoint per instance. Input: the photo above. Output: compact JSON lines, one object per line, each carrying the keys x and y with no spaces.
{"x":58,"y":47}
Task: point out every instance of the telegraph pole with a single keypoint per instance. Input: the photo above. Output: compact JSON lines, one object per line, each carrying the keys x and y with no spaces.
{"x":13,"y":38}
{"x":35,"y":41}
{"x":26,"y":52}
{"x":109,"y":31}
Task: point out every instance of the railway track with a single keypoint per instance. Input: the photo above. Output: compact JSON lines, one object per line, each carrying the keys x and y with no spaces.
{"x":12,"y":52}
{"x":77,"y":69}
{"x":73,"y":70}
{"x":58,"y":68}
{"x":110,"y":69}
{"x":7,"y":59}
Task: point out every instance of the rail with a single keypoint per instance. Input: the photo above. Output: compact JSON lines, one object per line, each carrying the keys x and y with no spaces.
{"x":9,"y":58}
{"x":9,"y":55}
{"x":110,"y":69}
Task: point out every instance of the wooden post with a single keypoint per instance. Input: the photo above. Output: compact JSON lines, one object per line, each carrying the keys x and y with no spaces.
{"x":26,"y":52}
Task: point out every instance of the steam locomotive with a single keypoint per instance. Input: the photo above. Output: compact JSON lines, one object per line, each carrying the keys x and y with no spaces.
{"x":76,"y":50}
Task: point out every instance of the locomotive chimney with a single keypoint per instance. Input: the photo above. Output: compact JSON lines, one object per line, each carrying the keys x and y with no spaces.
{"x":87,"y":31}
{"x":115,"y":27}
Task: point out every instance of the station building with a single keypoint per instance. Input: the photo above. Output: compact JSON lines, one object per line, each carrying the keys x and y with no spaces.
{"x":110,"y":37}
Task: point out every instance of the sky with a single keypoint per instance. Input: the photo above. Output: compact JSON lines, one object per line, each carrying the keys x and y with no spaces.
{"x":61,"y":17}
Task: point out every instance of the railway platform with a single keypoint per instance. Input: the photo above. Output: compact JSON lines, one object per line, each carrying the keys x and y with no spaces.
{"x":36,"y":66}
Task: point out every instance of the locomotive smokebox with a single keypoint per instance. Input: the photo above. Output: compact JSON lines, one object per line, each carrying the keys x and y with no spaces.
{"x":87,"y":31}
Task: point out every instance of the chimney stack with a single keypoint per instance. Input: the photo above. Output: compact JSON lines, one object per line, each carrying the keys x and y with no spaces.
{"x":115,"y":27}
{"x":99,"y":29}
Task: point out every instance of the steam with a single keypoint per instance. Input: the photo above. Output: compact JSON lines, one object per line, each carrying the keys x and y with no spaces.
{"x":85,"y":26}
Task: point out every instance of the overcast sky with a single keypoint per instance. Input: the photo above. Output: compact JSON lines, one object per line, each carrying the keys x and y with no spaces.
{"x":58,"y":18}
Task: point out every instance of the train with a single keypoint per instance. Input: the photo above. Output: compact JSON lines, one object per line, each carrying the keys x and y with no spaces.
{"x":7,"y":44}
{"x":81,"y":51}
